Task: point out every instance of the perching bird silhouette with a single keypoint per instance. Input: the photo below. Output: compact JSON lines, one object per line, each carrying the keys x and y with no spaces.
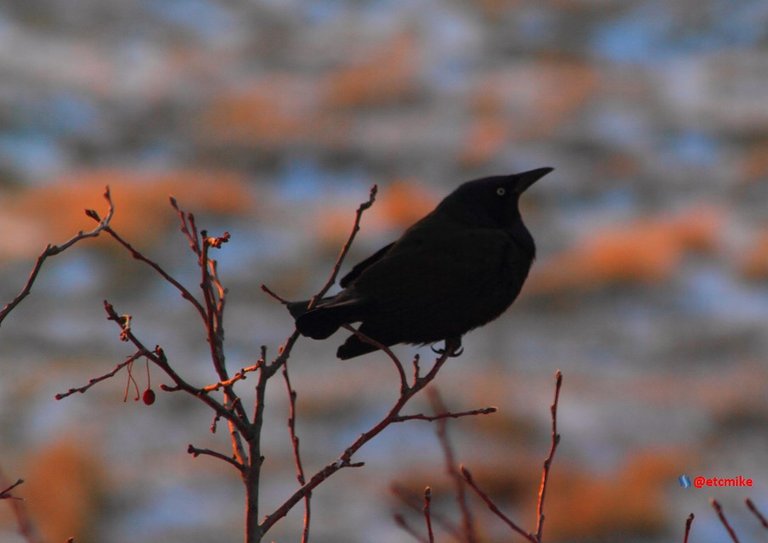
{"x":458,"y":268}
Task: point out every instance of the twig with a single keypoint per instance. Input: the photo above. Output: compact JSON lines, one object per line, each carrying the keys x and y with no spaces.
{"x":467,"y":522}
{"x":448,"y":415}
{"x":548,"y":460}
{"x":185,"y":293}
{"x":53,"y":250}
{"x":346,"y":458}
{"x":345,"y":248}
{"x":195,"y":451}
{"x":157,"y":357}
{"x":416,"y":503}
{"x":751,"y":506}
{"x":104,"y":377}
{"x":6,"y":494}
{"x":719,"y":509}
{"x":428,"y":513}
{"x":296,"y":452}
{"x":241,"y":375}
{"x":688,"y":523}
{"x":494,"y":508}
{"x":395,"y":360}
{"x":24,"y":523}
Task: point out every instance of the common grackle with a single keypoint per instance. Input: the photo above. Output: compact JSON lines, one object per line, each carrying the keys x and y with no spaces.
{"x":458,"y":268}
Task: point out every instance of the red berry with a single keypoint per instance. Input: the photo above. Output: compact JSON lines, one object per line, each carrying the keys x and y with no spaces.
{"x":148,"y":397}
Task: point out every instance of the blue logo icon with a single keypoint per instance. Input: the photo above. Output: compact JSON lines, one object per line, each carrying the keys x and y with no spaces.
{"x":684,"y":481}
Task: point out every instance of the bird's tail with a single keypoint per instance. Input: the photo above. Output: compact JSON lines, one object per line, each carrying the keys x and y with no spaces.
{"x":323,"y":320}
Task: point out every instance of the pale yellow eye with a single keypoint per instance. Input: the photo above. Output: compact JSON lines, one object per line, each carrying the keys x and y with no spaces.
{"x":501,"y":191}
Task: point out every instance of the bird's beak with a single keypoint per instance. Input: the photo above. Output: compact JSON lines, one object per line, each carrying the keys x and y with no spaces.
{"x":526,"y":179}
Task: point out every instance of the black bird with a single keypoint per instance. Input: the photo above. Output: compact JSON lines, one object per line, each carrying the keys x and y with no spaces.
{"x":458,"y":268}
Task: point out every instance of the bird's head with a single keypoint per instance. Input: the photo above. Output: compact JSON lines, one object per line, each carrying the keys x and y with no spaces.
{"x":491,"y":201}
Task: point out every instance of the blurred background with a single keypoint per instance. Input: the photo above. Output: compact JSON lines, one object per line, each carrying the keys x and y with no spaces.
{"x":271,"y":120}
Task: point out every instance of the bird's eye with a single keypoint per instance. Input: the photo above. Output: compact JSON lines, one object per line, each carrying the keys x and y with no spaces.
{"x":501,"y":191}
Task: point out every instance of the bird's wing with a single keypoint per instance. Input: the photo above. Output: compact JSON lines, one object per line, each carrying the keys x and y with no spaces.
{"x":355,"y":272}
{"x":431,"y":264}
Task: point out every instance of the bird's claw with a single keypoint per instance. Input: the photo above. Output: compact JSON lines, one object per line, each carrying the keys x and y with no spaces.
{"x":452,"y":348}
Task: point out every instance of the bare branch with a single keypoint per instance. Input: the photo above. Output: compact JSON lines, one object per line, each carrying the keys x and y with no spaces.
{"x":194,"y":451}
{"x":395,"y":360}
{"x":296,"y":453}
{"x":53,"y":250}
{"x":719,"y":509}
{"x":494,"y":508}
{"x":467,"y":522}
{"x":241,"y":375}
{"x":449,"y":415}
{"x":6,"y":494}
{"x":548,"y":460}
{"x":104,"y":377}
{"x":346,"y":458}
{"x":751,"y":506}
{"x":428,"y":513}
{"x":688,"y":523}
{"x":157,"y":357}
{"x":345,"y":249}
{"x":186,"y":294}
{"x":416,"y":503}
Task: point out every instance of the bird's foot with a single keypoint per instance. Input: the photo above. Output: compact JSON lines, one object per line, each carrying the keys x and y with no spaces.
{"x":452,"y":347}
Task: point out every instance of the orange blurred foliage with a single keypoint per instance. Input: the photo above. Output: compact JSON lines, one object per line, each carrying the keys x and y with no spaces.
{"x":754,"y":166}
{"x":524,"y":102}
{"x":754,"y":264}
{"x":643,"y":250}
{"x":63,"y":490}
{"x":387,"y":76}
{"x":54,"y":213}
{"x":272,"y":111}
{"x":398,"y":205}
{"x":584,"y":506}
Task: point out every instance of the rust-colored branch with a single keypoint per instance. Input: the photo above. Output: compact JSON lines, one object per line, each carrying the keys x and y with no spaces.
{"x":195,"y":451}
{"x":548,"y":460}
{"x":416,"y":503}
{"x":428,"y":513}
{"x":345,"y":460}
{"x":345,"y":248}
{"x":721,"y":515}
{"x":6,"y":493}
{"x":157,"y":357}
{"x":494,"y":508}
{"x":104,"y":377}
{"x":53,"y":250}
{"x":185,"y":293}
{"x":446,"y":415}
{"x":395,"y":360}
{"x":296,"y":452}
{"x":467,"y":521}
{"x":688,"y":523}
{"x":751,"y":506}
